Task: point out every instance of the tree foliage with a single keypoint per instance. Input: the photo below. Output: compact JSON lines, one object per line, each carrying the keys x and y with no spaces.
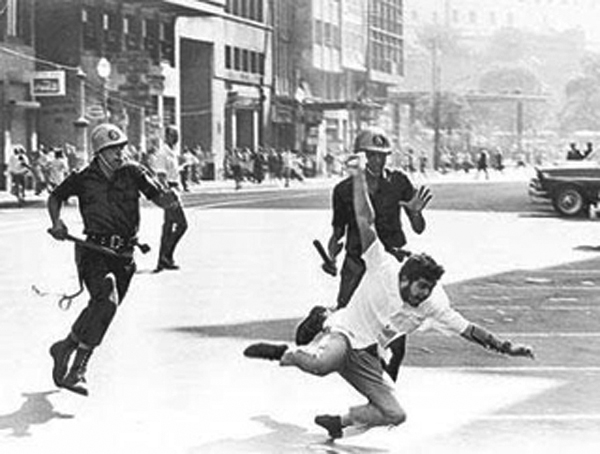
{"x":581,"y":110}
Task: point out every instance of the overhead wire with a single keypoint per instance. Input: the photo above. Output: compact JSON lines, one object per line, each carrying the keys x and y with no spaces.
{"x":88,"y":84}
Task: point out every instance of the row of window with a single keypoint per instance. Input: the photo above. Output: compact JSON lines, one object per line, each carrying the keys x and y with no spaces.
{"x":15,"y":21}
{"x":113,"y":32}
{"x":387,"y":56}
{"x":244,"y":60}
{"x":327,"y":34}
{"x":248,"y":9}
{"x":387,"y":15}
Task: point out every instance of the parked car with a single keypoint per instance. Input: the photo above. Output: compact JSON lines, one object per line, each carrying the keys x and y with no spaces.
{"x":571,"y":186}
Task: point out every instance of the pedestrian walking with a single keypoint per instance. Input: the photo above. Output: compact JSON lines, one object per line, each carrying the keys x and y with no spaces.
{"x":482,"y":164}
{"x":392,"y":299}
{"x":18,"y":168}
{"x":391,"y":192}
{"x":108,"y":191}
{"x":165,"y":166}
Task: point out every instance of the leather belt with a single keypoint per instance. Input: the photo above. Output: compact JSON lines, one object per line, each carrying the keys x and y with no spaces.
{"x":112,"y":241}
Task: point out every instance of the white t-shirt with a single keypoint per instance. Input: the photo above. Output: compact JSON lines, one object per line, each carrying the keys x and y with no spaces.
{"x":166,"y":161}
{"x":377,"y":314}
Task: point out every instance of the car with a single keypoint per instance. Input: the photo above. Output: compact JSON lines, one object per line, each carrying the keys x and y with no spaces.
{"x":571,"y":186}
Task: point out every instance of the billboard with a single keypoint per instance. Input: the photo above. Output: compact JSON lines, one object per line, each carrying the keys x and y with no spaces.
{"x":48,"y":83}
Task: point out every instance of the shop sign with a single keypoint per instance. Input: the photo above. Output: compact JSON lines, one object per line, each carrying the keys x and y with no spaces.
{"x":48,"y":83}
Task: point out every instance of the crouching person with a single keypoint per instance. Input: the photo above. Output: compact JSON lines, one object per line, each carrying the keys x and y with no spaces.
{"x":391,"y":300}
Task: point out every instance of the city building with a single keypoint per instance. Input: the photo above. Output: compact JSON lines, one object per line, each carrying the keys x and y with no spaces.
{"x":347,"y":54}
{"x":18,"y":110}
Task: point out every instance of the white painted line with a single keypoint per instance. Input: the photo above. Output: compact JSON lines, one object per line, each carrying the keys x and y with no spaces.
{"x":576,"y":369}
{"x":249,"y":201}
{"x":475,"y":288}
{"x":541,"y":335}
{"x":500,"y":308}
{"x":541,"y":417}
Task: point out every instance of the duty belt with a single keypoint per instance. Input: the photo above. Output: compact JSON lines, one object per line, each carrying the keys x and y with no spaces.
{"x":115,"y":242}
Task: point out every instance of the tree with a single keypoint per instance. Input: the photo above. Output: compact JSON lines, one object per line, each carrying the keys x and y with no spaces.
{"x":581,"y":110}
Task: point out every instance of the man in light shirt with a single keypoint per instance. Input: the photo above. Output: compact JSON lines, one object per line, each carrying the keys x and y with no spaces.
{"x":392,"y":300}
{"x":165,"y":164}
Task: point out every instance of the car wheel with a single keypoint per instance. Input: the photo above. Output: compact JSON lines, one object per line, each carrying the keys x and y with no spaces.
{"x":568,"y":201}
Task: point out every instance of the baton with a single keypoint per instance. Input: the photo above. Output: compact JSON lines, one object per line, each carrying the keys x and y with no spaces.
{"x":328,"y":265}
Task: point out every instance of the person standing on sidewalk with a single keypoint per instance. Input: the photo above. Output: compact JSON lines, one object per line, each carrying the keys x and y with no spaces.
{"x":165,"y":166}
{"x":18,"y":168}
{"x":108,"y":190}
{"x":392,"y":300}
{"x":390,"y":192}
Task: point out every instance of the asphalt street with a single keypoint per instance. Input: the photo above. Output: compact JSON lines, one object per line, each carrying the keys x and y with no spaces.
{"x":170,"y":376}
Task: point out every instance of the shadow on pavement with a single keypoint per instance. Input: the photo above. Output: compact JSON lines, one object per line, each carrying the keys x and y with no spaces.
{"x":282,"y":438}
{"x":36,"y":410}
{"x":270,"y":330}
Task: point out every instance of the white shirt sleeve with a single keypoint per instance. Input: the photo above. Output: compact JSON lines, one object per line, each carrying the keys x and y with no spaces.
{"x":444,"y":317}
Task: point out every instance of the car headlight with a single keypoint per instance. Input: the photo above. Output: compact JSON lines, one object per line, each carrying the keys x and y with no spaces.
{"x":544,"y":175}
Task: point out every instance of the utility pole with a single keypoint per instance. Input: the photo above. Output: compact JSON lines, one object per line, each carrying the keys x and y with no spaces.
{"x":435,"y":88}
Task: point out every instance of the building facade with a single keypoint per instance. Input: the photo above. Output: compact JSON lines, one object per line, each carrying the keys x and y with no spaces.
{"x":18,"y":110}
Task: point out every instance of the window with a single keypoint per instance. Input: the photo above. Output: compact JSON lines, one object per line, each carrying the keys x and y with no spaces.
{"x":228,"y":62}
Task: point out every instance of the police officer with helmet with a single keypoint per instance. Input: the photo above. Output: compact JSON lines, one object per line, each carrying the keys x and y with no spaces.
{"x":108,"y":191}
{"x":391,"y":192}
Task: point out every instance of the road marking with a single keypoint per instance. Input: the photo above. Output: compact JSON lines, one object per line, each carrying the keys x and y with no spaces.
{"x":542,"y":417}
{"x":514,"y":368}
{"x":249,"y":201}
{"x":504,"y":287}
{"x":500,"y":308}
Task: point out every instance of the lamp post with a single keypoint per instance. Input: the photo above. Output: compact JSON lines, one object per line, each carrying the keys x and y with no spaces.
{"x":81,"y":123}
{"x":103,"y":69}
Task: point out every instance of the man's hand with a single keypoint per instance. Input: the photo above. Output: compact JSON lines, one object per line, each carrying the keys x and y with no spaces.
{"x":59,"y":230}
{"x":517,"y":350}
{"x":356,"y":163}
{"x":168,"y":200}
{"x":419,"y":201}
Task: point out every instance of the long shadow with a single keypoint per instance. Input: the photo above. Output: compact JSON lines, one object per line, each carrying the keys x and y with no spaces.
{"x":282,"y":438}
{"x":36,"y":410}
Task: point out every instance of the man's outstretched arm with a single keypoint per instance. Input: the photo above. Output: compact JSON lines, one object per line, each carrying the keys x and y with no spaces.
{"x":486,"y":339}
{"x":363,"y":210}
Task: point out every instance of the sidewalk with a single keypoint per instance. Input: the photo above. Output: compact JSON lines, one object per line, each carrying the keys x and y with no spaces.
{"x":7,"y":200}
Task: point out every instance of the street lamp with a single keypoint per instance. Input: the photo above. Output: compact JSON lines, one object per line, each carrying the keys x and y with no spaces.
{"x":81,"y":123}
{"x":103,"y":69}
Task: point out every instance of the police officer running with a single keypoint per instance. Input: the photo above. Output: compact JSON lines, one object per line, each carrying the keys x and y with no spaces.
{"x":175,"y":223}
{"x":108,"y":191}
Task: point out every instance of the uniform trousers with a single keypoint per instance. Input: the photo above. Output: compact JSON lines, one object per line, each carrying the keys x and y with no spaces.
{"x":107,"y":280}
{"x":174,"y":226}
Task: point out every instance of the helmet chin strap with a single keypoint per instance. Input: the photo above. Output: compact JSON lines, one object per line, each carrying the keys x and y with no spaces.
{"x":107,"y":168}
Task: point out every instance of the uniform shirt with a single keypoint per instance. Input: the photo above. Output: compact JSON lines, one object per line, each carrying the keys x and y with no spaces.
{"x":166,"y":161}
{"x":377,"y":314}
{"x":109,"y":206}
{"x":394,"y":187}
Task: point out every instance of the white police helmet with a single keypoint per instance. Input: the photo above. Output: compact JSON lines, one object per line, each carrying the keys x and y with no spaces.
{"x":372,"y":139}
{"x":107,"y":135}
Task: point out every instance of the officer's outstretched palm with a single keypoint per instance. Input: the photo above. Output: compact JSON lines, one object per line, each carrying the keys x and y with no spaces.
{"x":420,"y":200}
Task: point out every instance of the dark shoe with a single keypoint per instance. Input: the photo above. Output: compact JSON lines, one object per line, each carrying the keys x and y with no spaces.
{"x":166,"y":266}
{"x":311,"y":325}
{"x":332,"y":424}
{"x":61,"y":353}
{"x":263,"y":350}
{"x":75,"y":379}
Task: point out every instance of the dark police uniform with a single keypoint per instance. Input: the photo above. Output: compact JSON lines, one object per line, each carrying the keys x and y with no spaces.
{"x":392,"y":188}
{"x":110,"y":210}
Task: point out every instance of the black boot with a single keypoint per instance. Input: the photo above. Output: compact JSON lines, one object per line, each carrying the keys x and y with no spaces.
{"x":61,"y":353}
{"x":75,"y":379}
